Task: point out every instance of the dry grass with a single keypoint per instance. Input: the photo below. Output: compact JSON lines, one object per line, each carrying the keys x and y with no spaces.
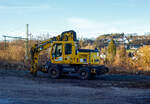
{"x":139,"y":64}
{"x":13,"y":53}
{"x":13,"y":56}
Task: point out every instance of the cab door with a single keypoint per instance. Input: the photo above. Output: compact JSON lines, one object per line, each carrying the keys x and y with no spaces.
{"x":68,"y":53}
{"x":57,"y":55}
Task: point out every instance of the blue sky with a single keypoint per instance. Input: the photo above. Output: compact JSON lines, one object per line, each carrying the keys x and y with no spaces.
{"x":89,"y":18}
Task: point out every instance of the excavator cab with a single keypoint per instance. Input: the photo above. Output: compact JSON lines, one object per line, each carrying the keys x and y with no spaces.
{"x":62,"y":52}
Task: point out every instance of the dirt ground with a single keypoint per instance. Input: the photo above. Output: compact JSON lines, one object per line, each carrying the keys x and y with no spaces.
{"x":19,"y":87}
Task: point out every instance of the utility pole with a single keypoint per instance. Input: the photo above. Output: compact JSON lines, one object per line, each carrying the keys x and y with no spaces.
{"x":30,"y":40}
{"x":5,"y":42}
{"x":27,"y":48}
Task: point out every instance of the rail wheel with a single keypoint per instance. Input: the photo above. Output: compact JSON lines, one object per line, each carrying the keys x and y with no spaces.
{"x":84,"y":74}
{"x":54,"y":72}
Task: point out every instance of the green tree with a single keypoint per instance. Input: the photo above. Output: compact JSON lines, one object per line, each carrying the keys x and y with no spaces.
{"x":111,"y":51}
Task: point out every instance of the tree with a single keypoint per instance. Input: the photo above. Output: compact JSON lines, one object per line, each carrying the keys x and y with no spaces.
{"x":111,"y":51}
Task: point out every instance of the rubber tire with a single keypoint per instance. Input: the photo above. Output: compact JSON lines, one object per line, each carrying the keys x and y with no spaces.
{"x":57,"y":75}
{"x":87,"y":74}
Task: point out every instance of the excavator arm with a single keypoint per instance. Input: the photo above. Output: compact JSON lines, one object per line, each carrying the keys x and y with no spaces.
{"x":35,"y":50}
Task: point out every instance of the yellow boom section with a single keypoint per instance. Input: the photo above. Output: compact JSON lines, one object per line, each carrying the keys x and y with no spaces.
{"x":35,"y":50}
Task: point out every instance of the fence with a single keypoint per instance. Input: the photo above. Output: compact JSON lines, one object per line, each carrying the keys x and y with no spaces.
{"x":14,"y":49}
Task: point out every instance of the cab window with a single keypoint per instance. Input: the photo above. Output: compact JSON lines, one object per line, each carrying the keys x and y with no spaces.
{"x":68,"y":48}
{"x":57,"y":50}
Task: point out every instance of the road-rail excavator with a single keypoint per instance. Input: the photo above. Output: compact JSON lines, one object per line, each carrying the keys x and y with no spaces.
{"x":66,"y":57}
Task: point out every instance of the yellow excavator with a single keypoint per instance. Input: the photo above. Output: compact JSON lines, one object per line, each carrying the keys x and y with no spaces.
{"x":66,"y":58}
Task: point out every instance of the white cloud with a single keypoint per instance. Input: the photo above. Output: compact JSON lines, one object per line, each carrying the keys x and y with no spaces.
{"x":90,"y":27}
{"x":84,"y":23}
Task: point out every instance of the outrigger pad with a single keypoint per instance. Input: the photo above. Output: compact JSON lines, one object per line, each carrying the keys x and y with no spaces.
{"x":65,"y":35}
